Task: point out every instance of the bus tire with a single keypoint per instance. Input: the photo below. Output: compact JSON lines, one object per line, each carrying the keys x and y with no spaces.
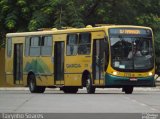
{"x":72,"y":90}
{"x":89,"y":86}
{"x":41,"y":89}
{"x":128,"y":89}
{"x":32,"y":85}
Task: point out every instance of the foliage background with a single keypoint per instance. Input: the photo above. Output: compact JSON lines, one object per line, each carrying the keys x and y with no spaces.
{"x":30,"y":15}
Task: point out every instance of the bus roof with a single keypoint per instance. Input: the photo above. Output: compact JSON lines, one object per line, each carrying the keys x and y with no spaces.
{"x":71,"y":30}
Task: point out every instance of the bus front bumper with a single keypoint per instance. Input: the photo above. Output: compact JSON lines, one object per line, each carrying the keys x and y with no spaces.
{"x":115,"y":81}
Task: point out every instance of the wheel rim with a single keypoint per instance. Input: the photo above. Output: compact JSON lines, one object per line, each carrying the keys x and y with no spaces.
{"x":32,"y":85}
{"x":88,"y":83}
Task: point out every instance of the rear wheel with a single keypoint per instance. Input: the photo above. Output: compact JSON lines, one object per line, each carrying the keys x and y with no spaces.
{"x":128,"y":89}
{"x":41,"y":89}
{"x":32,"y":85}
{"x":89,"y":86}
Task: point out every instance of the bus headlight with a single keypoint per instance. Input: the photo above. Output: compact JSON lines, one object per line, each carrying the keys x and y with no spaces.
{"x":150,"y":73}
{"x":115,"y":73}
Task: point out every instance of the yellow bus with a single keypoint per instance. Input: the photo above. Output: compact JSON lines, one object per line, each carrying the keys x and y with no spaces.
{"x":113,"y":56}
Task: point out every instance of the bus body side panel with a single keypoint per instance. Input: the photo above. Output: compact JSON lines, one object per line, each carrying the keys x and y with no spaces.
{"x":74,"y":67}
{"x":44,"y":71}
{"x":41,"y":68}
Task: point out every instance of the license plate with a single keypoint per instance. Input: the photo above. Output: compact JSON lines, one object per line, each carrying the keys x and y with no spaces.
{"x":133,"y":79}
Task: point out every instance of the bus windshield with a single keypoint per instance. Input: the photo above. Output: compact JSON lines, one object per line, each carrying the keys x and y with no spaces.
{"x":131,"y":53}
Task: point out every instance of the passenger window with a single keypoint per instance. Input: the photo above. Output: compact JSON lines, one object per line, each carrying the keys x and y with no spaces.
{"x":84,"y":46}
{"x":9,"y":47}
{"x":27,"y":40}
{"x":34,"y":46}
{"x":72,"y":47}
{"x":46,"y":46}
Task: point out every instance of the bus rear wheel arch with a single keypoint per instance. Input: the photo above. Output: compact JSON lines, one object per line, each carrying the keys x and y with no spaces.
{"x":32,"y":84}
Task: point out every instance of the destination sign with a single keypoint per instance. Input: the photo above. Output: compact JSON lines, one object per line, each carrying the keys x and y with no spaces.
{"x":125,"y":31}
{"x":129,"y":31}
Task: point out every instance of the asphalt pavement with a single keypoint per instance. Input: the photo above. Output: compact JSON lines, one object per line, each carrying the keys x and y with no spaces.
{"x":20,"y":100}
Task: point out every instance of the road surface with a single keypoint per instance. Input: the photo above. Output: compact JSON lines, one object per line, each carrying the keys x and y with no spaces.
{"x":104,"y":101}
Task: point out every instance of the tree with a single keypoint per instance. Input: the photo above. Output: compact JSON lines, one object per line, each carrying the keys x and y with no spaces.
{"x":30,"y":15}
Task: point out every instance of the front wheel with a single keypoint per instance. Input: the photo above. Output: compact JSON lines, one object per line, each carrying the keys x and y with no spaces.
{"x":128,"y":89}
{"x":89,"y":86}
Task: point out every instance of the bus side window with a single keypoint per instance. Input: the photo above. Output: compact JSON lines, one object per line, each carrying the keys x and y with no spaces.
{"x":72,"y":47}
{"x":9,"y":47}
{"x":46,"y":45}
{"x":35,"y":46}
{"x":84,"y":46}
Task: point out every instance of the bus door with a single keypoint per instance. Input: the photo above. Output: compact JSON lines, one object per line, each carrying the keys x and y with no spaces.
{"x":59,"y":62}
{"x":18,"y":63}
{"x":98,"y":61}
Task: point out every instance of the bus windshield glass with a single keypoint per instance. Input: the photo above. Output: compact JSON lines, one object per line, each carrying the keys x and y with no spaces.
{"x":132,"y":51}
